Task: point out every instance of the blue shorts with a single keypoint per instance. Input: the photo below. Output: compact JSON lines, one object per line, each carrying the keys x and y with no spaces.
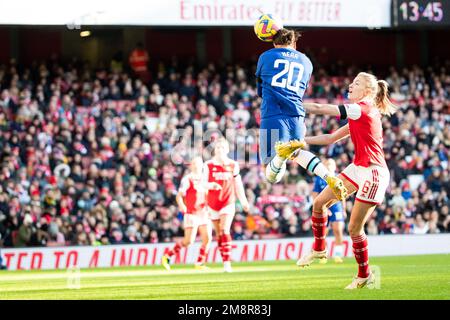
{"x":337,"y":214}
{"x":279,"y":129}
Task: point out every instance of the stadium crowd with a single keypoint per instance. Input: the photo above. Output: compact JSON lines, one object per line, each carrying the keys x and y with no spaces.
{"x":95,"y":156}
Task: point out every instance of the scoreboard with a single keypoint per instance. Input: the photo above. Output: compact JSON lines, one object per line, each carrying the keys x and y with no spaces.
{"x":417,"y":13}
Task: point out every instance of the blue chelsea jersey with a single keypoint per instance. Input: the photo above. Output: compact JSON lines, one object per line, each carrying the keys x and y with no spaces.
{"x":282,"y":78}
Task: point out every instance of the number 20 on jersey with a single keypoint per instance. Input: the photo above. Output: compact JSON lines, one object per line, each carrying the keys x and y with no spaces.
{"x":294,"y":71}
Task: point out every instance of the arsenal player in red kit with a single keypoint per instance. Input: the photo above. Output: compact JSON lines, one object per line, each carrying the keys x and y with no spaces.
{"x":367,"y":175}
{"x":191,"y":199}
{"x":225,"y":172}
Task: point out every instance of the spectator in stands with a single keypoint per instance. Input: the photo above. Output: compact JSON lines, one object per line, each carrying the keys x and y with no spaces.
{"x":139,"y":60}
{"x":25,"y":232}
{"x":420,"y":226}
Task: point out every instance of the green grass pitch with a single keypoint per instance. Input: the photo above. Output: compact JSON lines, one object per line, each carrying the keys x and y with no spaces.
{"x":408,"y":277}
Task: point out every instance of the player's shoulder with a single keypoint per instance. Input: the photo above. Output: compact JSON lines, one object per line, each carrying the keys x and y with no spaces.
{"x":232,"y":165}
{"x":304,"y":58}
{"x":367,"y":108}
{"x":235,"y":167}
{"x":235,"y":164}
{"x":187,"y":177}
{"x":268,"y":54}
{"x":185,"y":182}
{"x":231,"y":162}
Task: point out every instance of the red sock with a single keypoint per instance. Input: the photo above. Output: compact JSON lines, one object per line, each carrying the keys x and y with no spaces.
{"x":175,"y":249}
{"x":226,"y":247}
{"x":361,"y":252}
{"x":219,"y":243}
{"x":319,"y":226}
{"x":202,"y":255}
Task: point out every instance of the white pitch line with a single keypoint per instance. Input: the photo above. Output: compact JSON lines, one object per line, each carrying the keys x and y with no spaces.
{"x":137,"y":273}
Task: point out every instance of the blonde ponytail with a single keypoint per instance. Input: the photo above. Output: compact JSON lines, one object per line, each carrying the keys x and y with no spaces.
{"x":379,"y":90}
{"x":382,"y":101}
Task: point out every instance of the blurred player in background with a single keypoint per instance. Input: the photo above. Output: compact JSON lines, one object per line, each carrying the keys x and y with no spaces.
{"x":225,"y":172}
{"x":283,"y":74}
{"x":367,"y":175}
{"x":191,"y":200}
{"x":336,"y":214}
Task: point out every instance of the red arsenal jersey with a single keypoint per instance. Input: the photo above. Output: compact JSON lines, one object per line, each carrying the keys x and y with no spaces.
{"x":223,"y":174}
{"x":194,"y":193}
{"x":366,"y":132}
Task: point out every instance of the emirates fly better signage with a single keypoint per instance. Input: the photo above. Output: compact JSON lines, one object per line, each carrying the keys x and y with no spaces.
{"x":322,"y":13}
{"x":243,"y":251}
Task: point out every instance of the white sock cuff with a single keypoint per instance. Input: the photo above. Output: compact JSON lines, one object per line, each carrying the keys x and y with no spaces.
{"x":304,"y":158}
{"x":311,"y":163}
{"x":278,"y":162}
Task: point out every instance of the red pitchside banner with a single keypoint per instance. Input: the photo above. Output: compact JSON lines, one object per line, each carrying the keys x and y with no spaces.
{"x":249,"y":250}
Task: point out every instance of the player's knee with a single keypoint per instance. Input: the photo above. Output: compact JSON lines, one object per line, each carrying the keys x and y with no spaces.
{"x":319,"y":205}
{"x":337,"y":236}
{"x":354,"y":229}
{"x":206,"y":243}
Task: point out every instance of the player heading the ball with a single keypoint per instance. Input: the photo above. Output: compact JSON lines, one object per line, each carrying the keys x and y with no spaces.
{"x":282,"y":76}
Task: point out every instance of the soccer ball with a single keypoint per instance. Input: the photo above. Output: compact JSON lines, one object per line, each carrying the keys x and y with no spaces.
{"x":267,"y":26}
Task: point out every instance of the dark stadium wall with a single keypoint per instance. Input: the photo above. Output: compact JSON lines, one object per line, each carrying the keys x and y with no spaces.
{"x":238,"y":44}
{"x":411,"y":43}
{"x":215,"y":52}
{"x":5,"y":45}
{"x":38,"y":44}
{"x":437,"y":45}
{"x":246,"y":46}
{"x":163,"y":44}
{"x":350,"y":45}
{"x":353,"y":46}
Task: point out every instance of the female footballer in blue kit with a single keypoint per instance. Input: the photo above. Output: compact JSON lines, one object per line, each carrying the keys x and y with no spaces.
{"x":283,"y":74}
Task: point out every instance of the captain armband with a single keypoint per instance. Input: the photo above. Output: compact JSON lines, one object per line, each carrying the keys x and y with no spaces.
{"x":342,"y":111}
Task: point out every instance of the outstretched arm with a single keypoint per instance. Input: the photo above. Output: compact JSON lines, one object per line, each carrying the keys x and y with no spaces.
{"x":318,"y":108}
{"x":240,"y":192}
{"x":344,"y":111}
{"x":325,"y":139}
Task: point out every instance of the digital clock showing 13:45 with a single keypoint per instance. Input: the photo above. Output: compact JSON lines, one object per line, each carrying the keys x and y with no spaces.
{"x":421,"y":12}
